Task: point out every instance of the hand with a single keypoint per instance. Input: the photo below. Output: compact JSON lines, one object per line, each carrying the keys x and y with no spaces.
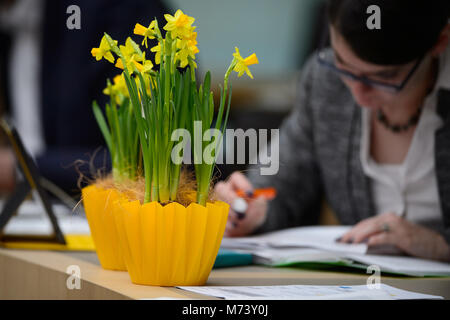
{"x":391,"y":229}
{"x":7,"y":167}
{"x":256,"y":211}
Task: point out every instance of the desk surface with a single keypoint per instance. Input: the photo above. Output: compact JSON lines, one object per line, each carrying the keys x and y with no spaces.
{"x":42,"y":275}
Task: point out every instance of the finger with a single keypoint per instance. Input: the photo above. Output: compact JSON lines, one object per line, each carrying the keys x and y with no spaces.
{"x":225,"y":192}
{"x":242,"y":219}
{"x":255,"y":215}
{"x":233,"y":219}
{"x":389,"y":219}
{"x":257,"y":207}
{"x":228,"y":229}
{"x":367,"y":230}
{"x":349,"y":236}
{"x":369,"y":227}
{"x":397,"y":235}
{"x":381,"y":239}
{"x":241,"y":226}
{"x":232,"y":231}
{"x":240,"y":182}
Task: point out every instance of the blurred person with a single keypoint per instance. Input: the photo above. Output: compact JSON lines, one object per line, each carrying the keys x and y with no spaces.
{"x":370,"y":133}
{"x":48,"y":80}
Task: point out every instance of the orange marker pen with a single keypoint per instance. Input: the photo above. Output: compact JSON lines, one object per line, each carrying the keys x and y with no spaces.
{"x":268,"y":193}
{"x":240,"y":204}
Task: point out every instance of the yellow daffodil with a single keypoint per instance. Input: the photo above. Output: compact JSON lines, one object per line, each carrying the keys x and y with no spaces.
{"x":119,"y":64}
{"x":118,"y":90}
{"x":146,"y":66}
{"x":147,"y":33}
{"x":187,"y":48}
{"x":242,"y":64}
{"x":189,"y":43}
{"x":120,"y":85}
{"x":103,"y":51}
{"x":183,"y":57}
{"x":157,"y":50}
{"x":145,"y":105}
{"x":180,"y":25}
{"x":132,"y":64}
{"x":131,"y":49}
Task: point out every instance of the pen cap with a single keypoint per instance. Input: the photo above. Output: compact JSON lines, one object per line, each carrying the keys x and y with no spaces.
{"x":239,"y":205}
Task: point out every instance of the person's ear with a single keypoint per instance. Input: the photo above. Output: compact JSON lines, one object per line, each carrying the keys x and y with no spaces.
{"x":442,"y":42}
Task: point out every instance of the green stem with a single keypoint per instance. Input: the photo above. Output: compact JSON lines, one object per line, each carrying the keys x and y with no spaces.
{"x":202,"y":197}
{"x":175,"y":181}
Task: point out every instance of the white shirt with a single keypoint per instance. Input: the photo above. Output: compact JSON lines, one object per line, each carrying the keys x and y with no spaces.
{"x":410,"y":188}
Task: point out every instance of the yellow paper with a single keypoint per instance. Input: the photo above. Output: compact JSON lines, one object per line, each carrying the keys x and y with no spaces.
{"x":74,"y":242}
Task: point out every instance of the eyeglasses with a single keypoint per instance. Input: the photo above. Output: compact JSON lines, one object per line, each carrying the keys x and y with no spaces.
{"x":327,"y":60}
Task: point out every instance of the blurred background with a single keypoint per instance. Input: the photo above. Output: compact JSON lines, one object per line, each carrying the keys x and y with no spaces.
{"x":48,"y":78}
{"x":281,"y":33}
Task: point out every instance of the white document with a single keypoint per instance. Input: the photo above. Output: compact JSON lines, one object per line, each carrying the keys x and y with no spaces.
{"x":42,"y":226}
{"x":275,"y":257}
{"x":306,"y":292}
{"x":31,"y":220}
{"x":323,"y":237}
{"x":404,"y":265}
{"x":318,"y":244}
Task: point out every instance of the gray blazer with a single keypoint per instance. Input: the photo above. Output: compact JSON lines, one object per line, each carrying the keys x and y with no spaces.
{"x":319,"y":156}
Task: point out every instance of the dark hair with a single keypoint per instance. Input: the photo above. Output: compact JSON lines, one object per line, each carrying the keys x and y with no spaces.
{"x":409,"y":28}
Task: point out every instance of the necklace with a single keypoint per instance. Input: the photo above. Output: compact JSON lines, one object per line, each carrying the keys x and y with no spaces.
{"x":398,"y":128}
{"x":414,"y":119}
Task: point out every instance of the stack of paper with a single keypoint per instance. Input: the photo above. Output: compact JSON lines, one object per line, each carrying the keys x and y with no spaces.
{"x":31,"y":220}
{"x":318,"y":245}
{"x":305,"y":292}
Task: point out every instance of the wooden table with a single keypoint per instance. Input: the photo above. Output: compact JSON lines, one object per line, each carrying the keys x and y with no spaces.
{"x":42,"y":275}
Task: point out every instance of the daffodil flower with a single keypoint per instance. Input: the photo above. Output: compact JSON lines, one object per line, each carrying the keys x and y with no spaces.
{"x":189,"y":43}
{"x":147,"y":33}
{"x":120,"y":85}
{"x":157,"y":50}
{"x":187,"y":48}
{"x":146,"y":105}
{"x":118,"y":89}
{"x":131,"y":49}
{"x":103,"y":51}
{"x":131,"y":64}
{"x":242,"y":64}
{"x":119,"y":64}
{"x":182,"y":56}
{"x":133,"y":56}
{"x":146,"y":66}
{"x":180,"y":25}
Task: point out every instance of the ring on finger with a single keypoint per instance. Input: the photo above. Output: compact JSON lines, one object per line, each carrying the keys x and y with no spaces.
{"x":385,"y":227}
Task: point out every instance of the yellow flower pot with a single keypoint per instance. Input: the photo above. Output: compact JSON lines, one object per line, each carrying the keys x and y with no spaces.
{"x":98,"y":206}
{"x":170,"y":245}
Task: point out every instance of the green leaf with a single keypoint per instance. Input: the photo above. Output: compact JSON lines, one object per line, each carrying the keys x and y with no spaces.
{"x":102,"y":124}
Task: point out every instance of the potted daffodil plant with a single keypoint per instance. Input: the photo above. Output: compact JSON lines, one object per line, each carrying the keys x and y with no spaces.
{"x":151,"y":217}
